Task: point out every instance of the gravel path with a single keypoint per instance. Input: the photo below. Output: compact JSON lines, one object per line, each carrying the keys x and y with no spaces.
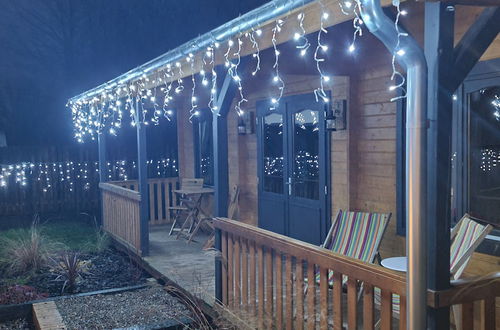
{"x":147,"y":306}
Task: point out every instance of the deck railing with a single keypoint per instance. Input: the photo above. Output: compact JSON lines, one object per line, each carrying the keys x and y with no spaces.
{"x":121,"y":218}
{"x":264,"y":278}
{"x":475,"y":302}
{"x":161,"y":197}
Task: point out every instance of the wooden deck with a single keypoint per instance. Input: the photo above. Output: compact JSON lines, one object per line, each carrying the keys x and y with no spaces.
{"x":184,"y":263}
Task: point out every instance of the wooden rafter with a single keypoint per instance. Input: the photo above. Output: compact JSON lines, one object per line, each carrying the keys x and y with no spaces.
{"x":473,"y":44}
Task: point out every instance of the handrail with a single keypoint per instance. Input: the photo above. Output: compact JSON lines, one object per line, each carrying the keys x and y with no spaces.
{"x":372,"y":273}
{"x":124,"y":192}
{"x":466,"y":290}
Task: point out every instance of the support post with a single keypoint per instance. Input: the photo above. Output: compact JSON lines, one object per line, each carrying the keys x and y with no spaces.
{"x":142,"y":179}
{"x":221,"y":173}
{"x":101,"y":154}
{"x":439,"y":33}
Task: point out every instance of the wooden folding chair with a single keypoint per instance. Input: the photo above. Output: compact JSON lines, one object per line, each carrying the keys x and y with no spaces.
{"x":465,"y":238}
{"x":231,"y":213}
{"x":184,"y":202}
{"x":357,"y":235}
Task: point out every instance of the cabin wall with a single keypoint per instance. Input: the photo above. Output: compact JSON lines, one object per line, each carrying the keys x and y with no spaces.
{"x":363,"y":157}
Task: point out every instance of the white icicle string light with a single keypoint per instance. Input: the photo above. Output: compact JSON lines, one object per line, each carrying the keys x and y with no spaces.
{"x":319,"y":92}
{"x":398,"y":52}
{"x":277,"y":78}
{"x":301,"y":36}
{"x":166,"y":91}
{"x":192,"y":112}
{"x":255,"y":45}
{"x":237,"y":78}
{"x":180,"y":86}
{"x":213,"y":89}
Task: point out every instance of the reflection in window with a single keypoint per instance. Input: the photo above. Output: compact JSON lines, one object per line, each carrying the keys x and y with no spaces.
{"x":484,"y":159}
{"x":306,"y":155}
{"x":273,"y":153}
{"x":204,"y":158}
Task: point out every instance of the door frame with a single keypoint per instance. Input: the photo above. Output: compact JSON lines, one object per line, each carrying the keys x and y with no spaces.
{"x":324,"y":148}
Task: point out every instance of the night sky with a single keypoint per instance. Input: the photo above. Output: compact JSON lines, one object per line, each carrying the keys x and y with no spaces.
{"x":54,"y":49}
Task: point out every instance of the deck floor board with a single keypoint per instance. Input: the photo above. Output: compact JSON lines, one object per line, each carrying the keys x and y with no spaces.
{"x":184,"y":263}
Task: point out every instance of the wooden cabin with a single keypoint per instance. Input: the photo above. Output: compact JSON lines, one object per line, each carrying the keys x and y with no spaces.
{"x":294,"y":175}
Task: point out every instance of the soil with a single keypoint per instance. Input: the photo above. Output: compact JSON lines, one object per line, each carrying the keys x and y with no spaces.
{"x":151,"y":306}
{"x":105,"y":270}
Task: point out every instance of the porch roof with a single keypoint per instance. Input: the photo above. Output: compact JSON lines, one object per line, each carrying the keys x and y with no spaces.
{"x":153,"y":73}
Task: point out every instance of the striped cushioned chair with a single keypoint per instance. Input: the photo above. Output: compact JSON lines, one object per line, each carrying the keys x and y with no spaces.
{"x":356,"y":235}
{"x":465,"y":238}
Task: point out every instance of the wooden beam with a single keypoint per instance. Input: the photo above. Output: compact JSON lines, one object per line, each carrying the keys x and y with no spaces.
{"x":439,"y":33}
{"x":143,"y":179}
{"x":473,"y":44}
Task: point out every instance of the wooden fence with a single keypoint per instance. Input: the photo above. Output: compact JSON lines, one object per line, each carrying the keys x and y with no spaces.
{"x":121,"y":215}
{"x":269,"y":280}
{"x":161,"y":197}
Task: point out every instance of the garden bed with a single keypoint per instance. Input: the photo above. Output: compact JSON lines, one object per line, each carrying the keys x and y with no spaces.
{"x":150,"y":307}
{"x":71,"y":257}
{"x":17,"y":324}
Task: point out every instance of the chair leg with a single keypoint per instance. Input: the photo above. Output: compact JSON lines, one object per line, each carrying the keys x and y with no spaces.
{"x":177,"y":215}
{"x":184,"y":224}
{"x":198,"y":224}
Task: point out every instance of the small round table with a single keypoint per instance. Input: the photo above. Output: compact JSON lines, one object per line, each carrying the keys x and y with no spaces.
{"x":399,"y":264}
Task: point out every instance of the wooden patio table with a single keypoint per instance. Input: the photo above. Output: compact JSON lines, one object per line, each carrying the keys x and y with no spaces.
{"x":194,"y":209}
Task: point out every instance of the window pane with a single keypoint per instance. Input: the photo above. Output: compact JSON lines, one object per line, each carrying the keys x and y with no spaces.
{"x":273,"y":153}
{"x":305,"y":178}
{"x":484,"y":158}
{"x":206,"y":151}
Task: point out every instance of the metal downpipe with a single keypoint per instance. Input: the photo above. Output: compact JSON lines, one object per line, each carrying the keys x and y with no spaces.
{"x":416,"y":146}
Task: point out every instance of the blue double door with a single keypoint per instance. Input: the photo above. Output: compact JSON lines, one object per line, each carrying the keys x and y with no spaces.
{"x":293,"y":169}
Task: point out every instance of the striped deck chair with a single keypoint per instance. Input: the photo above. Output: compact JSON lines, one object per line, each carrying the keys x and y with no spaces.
{"x":357,"y":235}
{"x":465,"y":238}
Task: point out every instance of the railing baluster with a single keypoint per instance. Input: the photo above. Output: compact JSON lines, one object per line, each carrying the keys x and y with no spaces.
{"x":253,"y":310}
{"x":279,"y":290}
{"x":488,"y":310}
{"x":289,"y":292}
{"x":323,"y":300}
{"x":352,"y":299}
{"x":237,"y":272}
{"x":261,"y":285}
{"x":244,"y":274}
{"x":467,"y":318}
{"x":299,"y":292}
{"x":402,"y":312}
{"x":311,"y":292}
{"x":160,"y":200}
{"x":368,"y":307}
{"x":269,"y":288}
{"x":337,"y":300}
{"x":224,"y":262}
{"x":152,"y":216}
{"x":230,"y":270}
{"x":386,"y":310}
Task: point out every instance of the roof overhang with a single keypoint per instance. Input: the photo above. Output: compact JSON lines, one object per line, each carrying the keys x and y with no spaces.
{"x":153,"y":73}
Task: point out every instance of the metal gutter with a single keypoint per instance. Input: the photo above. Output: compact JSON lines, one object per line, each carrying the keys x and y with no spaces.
{"x":256,"y":17}
{"x":415,"y":64}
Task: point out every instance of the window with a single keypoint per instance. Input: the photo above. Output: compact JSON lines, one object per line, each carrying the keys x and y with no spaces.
{"x":203,"y":137}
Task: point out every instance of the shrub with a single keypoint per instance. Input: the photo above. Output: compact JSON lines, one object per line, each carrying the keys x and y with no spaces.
{"x":68,"y":268}
{"x":100,"y":241}
{"x":18,"y":294}
{"x":25,"y":252}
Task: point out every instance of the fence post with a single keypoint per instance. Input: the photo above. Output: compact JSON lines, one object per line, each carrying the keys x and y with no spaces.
{"x":101,"y":146}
